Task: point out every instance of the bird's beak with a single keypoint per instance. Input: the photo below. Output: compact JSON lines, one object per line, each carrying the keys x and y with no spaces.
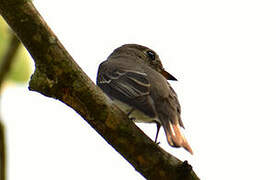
{"x":168,"y":76}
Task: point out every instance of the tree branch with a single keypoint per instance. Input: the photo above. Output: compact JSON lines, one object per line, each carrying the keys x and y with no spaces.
{"x":8,"y":58}
{"x":2,"y":152}
{"x":4,"y":69}
{"x":57,"y":75}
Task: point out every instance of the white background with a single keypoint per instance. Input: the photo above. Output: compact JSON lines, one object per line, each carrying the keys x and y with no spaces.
{"x":223,"y":54}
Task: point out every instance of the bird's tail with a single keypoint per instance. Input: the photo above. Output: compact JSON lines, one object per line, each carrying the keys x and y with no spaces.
{"x":175,"y":136}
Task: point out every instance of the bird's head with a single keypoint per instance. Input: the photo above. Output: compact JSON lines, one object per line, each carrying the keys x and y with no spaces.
{"x":146,"y":55}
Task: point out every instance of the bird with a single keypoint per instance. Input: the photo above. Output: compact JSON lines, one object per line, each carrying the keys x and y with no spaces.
{"x":133,"y":77}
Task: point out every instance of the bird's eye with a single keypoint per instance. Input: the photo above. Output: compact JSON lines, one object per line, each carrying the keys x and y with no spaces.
{"x":151,"y":55}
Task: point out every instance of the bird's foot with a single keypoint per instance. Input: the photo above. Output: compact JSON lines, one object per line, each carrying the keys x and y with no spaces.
{"x":158,"y":128}
{"x":157,"y":142}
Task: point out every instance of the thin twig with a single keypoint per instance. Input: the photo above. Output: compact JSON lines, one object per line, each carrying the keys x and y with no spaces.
{"x":2,"y":152}
{"x":8,"y":58}
{"x":4,"y":69}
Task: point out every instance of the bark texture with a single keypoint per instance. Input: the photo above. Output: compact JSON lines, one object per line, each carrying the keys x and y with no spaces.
{"x":58,"y":76}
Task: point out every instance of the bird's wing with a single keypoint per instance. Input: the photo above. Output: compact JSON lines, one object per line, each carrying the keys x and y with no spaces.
{"x":127,"y":85}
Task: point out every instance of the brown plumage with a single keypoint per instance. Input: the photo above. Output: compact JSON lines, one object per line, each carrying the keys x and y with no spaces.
{"x":134,"y":78}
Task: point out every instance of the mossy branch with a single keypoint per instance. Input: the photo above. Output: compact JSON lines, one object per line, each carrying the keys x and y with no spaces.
{"x":58,"y":76}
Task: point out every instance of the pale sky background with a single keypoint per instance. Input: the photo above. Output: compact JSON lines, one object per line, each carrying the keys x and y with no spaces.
{"x":222,"y":52}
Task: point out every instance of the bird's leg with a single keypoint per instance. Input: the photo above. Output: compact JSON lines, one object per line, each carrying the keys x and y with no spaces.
{"x":158,"y":125}
{"x":128,"y":114}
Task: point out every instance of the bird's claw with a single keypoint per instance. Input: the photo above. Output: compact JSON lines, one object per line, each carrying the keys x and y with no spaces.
{"x":157,"y":142}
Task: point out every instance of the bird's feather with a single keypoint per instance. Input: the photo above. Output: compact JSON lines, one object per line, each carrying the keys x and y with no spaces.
{"x":129,"y":86}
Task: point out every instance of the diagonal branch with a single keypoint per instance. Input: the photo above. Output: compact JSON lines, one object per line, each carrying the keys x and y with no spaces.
{"x":58,"y":76}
